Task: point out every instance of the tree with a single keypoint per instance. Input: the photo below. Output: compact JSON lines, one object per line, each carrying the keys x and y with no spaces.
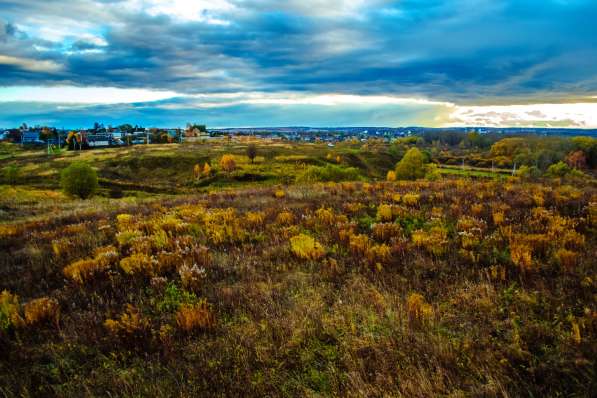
{"x":206,"y":169}
{"x":227,"y":163}
{"x":252,"y":152}
{"x":79,"y":179}
{"x":577,"y":160}
{"x":412,"y":165}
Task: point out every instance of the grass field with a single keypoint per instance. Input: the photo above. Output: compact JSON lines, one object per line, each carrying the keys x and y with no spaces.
{"x":262,"y":281}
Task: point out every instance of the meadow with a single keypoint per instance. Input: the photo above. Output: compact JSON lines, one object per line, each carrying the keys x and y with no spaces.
{"x":304,"y":272}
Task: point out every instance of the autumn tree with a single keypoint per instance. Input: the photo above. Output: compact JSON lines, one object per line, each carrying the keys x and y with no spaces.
{"x":577,"y":160}
{"x":412,"y":165}
{"x":252,"y":152}
{"x":227,"y":163}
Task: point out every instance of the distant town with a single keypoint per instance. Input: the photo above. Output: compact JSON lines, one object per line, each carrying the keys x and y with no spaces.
{"x":127,"y":134}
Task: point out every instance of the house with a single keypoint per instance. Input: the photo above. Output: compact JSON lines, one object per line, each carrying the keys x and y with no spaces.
{"x":30,"y":137}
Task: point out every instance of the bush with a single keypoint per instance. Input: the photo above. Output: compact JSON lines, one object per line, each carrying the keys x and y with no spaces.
{"x":79,"y":179}
{"x":412,"y":165}
{"x":305,"y":247}
{"x":11,"y":174}
{"x":328,"y":173}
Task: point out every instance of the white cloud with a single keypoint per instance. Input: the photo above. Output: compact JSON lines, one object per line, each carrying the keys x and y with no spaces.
{"x":81,"y":95}
{"x":543,"y":115}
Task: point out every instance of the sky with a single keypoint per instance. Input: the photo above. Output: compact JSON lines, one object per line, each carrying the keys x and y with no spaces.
{"x":248,"y":63}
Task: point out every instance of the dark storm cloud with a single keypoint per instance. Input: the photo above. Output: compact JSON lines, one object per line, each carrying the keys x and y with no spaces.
{"x":459,"y":50}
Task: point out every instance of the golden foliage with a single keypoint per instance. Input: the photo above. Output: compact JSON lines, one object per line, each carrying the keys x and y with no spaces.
{"x":285,"y":218}
{"x":255,"y":218}
{"x":325,"y":216}
{"x":418,"y":309}
{"x":434,"y":241}
{"x":206,"y":170}
{"x":227,"y":163}
{"x":223,"y":225}
{"x":82,"y":271}
{"x":195,"y":317}
{"x":567,"y":259}
{"x":279,"y":194}
{"x":40,"y":310}
{"x":391,"y":176}
{"x":521,"y":255}
{"x":138,"y":263}
{"x":305,"y":247}
{"x":384,"y":213}
{"x":410,"y":199}
{"x":130,"y":323}
{"x":386,"y":231}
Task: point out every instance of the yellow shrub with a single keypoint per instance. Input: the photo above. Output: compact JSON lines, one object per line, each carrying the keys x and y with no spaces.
{"x":9,"y":311}
{"x":417,"y":308}
{"x":137,"y":263}
{"x":206,"y":169}
{"x":227,"y":163}
{"x":359,"y":244}
{"x":124,"y":222}
{"x":195,"y":317}
{"x":391,"y":176}
{"x":124,"y":238}
{"x":279,"y":194}
{"x":498,"y":217}
{"x":256,"y":218}
{"x":305,"y":247}
{"x":410,"y":199}
{"x":521,"y":255}
{"x":384,"y":213}
{"x":434,"y":241}
{"x":130,"y":323}
{"x":82,"y":271}
{"x":223,"y":225}
{"x":386,"y":231}
{"x":40,"y":310}
{"x":325,"y":216}
{"x":285,"y":218}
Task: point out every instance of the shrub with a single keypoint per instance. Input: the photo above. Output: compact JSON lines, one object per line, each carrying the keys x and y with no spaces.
{"x":305,"y":247}
{"x":195,"y":317}
{"x":191,"y":277}
{"x":130,"y":323}
{"x":137,"y":263}
{"x":11,"y":174}
{"x":418,"y":309}
{"x":391,"y":176}
{"x":285,"y":218}
{"x":79,"y":179}
{"x":9,"y":311}
{"x":41,"y":310}
{"x":227,"y":163}
{"x":384,"y":213}
{"x":412,"y":165}
{"x":329,"y":172}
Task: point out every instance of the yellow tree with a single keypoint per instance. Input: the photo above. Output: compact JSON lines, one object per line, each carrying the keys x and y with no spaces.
{"x":206,"y":169}
{"x":227,"y":163}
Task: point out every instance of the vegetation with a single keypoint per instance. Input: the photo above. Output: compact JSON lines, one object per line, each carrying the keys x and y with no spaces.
{"x":307,"y":272}
{"x":79,"y":179}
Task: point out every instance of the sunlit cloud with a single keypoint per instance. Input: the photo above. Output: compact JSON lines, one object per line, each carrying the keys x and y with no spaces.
{"x":81,"y":95}
{"x":31,"y":65}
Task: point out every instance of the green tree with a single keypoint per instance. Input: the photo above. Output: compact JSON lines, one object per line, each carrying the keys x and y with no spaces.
{"x":412,"y":165}
{"x":79,"y":179}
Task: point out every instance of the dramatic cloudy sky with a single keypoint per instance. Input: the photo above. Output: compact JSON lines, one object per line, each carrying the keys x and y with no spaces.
{"x":299,"y":62}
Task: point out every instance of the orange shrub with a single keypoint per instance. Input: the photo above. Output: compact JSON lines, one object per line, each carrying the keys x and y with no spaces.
{"x":40,"y":310}
{"x":255,"y":218}
{"x":129,"y":324}
{"x":418,"y":309}
{"x":195,"y":317}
